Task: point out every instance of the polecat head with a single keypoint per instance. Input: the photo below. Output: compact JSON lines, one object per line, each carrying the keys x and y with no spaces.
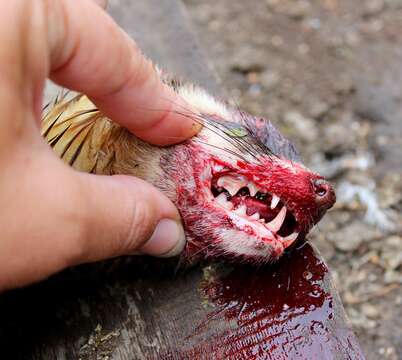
{"x":240,"y":186}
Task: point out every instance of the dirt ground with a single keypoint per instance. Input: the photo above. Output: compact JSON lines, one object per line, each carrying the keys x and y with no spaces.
{"x":329,"y":74}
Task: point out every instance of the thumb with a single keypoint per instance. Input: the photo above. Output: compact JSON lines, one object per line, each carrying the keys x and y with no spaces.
{"x":126,"y":215}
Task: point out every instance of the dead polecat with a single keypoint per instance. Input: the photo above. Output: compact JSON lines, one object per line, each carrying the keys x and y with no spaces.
{"x":239,"y":184}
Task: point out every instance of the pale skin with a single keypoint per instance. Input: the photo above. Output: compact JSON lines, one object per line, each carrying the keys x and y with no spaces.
{"x":52,"y":217}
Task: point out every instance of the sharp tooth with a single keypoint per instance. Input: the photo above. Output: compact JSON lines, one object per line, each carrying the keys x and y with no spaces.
{"x":233,"y":188}
{"x":276,"y":223}
{"x":262,"y":221}
{"x":252,"y":188}
{"x":255,"y":216}
{"x":220,"y":182}
{"x":290,"y":239}
{"x":275,"y":201}
{"x":222,"y":200}
{"x":229,"y":205}
{"x":231,"y":184}
{"x":241,"y":210}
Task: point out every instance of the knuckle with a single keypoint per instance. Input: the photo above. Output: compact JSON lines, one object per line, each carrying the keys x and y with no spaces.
{"x":140,"y":226}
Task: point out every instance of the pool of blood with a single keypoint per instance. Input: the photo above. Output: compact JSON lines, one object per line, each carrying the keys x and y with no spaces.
{"x":284,"y":311}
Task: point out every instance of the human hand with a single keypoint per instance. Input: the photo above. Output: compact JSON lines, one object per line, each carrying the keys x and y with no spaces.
{"x":52,"y":217}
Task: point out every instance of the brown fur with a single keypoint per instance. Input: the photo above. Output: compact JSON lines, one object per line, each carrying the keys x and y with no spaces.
{"x":89,"y":142}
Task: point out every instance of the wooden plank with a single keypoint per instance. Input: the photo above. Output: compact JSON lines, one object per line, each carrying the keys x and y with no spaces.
{"x":128,"y":309}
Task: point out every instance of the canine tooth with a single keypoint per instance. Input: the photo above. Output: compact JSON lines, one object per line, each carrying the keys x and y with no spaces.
{"x":252,"y":188}
{"x":241,"y":210}
{"x":255,"y":216}
{"x":290,"y":239}
{"x":221,"y":199}
{"x":276,"y":223}
{"x":275,"y":201}
{"x":220,"y":182}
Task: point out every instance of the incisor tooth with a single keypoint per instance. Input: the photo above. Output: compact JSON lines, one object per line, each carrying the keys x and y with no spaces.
{"x":222,"y":200}
{"x":231,"y":184}
{"x":275,"y":201}
{"x":255,"y":216}
{"x":276,"y":223}
{"x":241,"y":210}
{"x":252,"y":188}
{"x":233,"y":188}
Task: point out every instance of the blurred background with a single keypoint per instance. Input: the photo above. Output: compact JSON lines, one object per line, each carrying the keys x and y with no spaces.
{"x":329,"y":74}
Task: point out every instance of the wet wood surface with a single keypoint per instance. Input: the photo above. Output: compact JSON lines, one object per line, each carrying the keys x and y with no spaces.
{"x":128,"y":309}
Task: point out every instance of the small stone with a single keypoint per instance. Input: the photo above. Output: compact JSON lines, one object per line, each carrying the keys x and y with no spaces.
{"x":352,"y":38}
{"x":349,"y":298}
{"x":352,"y":236}
{"x":392,"y":276}
{"x":359,"y":320}
{"x":269,"y":80}
{"x":253,"y":77}
{"x":319,"y":109}
{"x":392,"y":259}
{"x":296,"y":97}
{"x":373,"y":26}
{"x":304,"y":127}
{"x":387,"y":352}
{"x":343,"y":86}
{"x":303,"y":48}
{"x":370,"y":311}
{"x":247,"y":60}
{"x":339,"y":138}
{"x":298,"y":10}
{"x":394,"y":241}
{"x":277,"y":41}
{"x":391,"y":254}
{"x":373,"y":7}
{"x":273,"y":3}
{"x":215,"y":25}
{"x":254,"y":89}
{"x":314,"y":23}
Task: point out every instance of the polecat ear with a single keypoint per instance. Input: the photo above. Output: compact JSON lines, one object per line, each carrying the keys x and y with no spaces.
{"x":263,"y":130}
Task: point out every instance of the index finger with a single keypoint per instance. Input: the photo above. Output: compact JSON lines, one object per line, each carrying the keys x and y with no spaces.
{"x":92,"y":55}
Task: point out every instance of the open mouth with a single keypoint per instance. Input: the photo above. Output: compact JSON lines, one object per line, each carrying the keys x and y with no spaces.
{"x":262,"y":211}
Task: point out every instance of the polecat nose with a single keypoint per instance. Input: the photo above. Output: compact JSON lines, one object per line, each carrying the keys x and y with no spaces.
{"x":324,"y":194}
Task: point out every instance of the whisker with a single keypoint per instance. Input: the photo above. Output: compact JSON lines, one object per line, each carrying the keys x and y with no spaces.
{"x":247,"y":144}
{"x":200,"y":250}
{"x":221,"y":148}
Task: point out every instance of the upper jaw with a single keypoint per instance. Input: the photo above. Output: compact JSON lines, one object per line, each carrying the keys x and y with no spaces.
{"x":268,"y":220}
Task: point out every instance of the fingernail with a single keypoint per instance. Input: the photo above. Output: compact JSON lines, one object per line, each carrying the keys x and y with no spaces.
{"x":167,"y":240}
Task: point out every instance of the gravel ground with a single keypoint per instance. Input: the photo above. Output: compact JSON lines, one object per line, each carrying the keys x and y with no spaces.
{"x":329,"y":74}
